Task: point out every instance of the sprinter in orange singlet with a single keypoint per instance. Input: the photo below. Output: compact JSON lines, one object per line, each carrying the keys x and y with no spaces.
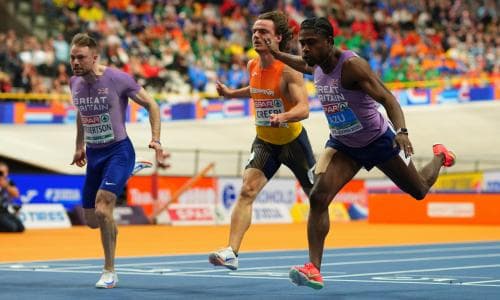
{"x":280,"y":101}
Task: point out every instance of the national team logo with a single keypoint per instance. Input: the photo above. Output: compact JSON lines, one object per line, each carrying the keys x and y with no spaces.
{"x":102,"y":91}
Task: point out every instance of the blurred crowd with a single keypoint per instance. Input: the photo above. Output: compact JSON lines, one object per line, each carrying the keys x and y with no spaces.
{"x":181,"y":47}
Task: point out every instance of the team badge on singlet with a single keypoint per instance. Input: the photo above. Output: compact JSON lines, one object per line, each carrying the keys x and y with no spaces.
{"x":264,"y":108}
{"x":341,"y":119}
{"x":98,"y":129}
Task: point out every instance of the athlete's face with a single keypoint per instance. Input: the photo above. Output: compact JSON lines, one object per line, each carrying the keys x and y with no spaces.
{"x":315,"y":47}
{"x":82,"y":60}
{"x":262,"y":31}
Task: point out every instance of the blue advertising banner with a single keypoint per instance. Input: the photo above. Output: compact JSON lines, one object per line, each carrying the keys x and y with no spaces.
{"x":482,"y":93}
{"x":6,"y":112}
{"x":63,"y":189}
{"x":183,"y":111}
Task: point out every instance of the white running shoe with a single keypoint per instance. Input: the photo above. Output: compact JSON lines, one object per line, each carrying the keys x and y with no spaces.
{"x":224,"y":257}
{"x":108,"y":280}
{"x":141,"y":165}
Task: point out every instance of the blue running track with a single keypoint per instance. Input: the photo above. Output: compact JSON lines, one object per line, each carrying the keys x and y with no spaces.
{"x":442,"y":271}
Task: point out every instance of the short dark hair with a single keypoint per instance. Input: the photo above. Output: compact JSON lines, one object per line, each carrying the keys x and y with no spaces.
{"x":320,"y":26}
{"x":280,"y":21}
{"x":84,"y":40}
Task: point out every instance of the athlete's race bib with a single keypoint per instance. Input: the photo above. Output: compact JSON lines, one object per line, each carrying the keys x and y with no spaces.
{"x":264,"y":108}
{"x":98,"y":129}
{"x":341,"y":119}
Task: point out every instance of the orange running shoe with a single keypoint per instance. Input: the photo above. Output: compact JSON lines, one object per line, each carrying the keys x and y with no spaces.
{"x":449,"y":156}
{"x":307,"y":275}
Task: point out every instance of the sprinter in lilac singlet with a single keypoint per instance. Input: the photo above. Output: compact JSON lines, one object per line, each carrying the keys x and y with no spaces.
{"x":360,"y":136}
{"x":101,"y":96}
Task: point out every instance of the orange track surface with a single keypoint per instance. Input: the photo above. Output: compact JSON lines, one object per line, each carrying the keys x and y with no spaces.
{"x":82,"y":242}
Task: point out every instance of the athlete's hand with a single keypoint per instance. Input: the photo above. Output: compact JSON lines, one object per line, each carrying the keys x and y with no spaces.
{"x":272,"y":46}
{"x":4,"y":183}
{"x":276,"y":119}
{"x":161,"y":154}
{"x":222,"y":89}
{"x":404,"y":144}
{"x":79,"y":158}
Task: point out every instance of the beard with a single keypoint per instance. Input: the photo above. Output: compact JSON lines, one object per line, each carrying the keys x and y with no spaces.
{"x":80,"y":72}
{"x":309,"y":61}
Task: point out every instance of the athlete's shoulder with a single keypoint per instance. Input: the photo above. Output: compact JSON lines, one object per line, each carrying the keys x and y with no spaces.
{"x":75,"y":80}
{"x":252,"y":63}
{"x":356,"y":64}
{"x":114,"y":72}
{"x":289,"y":72}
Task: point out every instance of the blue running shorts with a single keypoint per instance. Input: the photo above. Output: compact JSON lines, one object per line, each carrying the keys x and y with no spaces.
{"x":379,"y":151}
{"x":108,"y":169}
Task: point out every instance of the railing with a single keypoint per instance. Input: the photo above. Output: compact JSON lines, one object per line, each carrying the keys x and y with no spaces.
{"x":188,"y":162}
{"x":441,"y":83}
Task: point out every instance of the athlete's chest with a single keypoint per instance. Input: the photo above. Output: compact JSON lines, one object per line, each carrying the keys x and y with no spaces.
{"x":92,"y":98}
{"x":265,"y":83}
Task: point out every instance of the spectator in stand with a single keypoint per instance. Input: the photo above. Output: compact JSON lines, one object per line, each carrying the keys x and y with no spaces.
{"x":417,"y":33}
{"x":9,"y":221}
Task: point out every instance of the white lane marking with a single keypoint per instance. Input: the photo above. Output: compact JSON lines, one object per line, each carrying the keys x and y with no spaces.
{"x":427,"y":258}
{"x":259,"y":277}
{"x":484,"y":281}
{"x":417,"y":270}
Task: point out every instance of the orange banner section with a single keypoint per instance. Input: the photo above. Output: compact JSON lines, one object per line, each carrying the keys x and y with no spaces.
{"x":139,"y":191}
{"x":435,"y":209}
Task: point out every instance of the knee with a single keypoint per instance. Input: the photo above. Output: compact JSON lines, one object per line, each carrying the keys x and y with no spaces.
{"x":419,"y":192}
{"x":91,"y":222}
{"x":102,"y":212}
{"x":319,"y":201}
{"x":419,"y":195}
{"x":92,"y":225}
{"x":248,"y":193}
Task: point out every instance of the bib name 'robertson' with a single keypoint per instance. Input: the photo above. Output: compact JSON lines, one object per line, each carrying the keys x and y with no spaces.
{"x":98,"y":129}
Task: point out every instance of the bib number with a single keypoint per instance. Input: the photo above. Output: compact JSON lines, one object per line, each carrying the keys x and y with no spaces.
{"x":341,"y":119}
{"x":98,"y":129}
{"x":264,"y":108}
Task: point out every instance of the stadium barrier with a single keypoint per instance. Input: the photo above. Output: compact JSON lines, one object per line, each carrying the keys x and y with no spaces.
{"x":448,"y":208}
{"x":56,"y":108}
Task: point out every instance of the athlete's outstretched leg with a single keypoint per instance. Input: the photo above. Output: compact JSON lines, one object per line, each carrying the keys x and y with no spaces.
{"x":104,"y":205}
{"x":105,"y":202}
{"x":339,"y":171}
{"x":334,"y":170}
{"x":241,"y":218}
{"x":416,"y":183}
{"x":253,"y":182}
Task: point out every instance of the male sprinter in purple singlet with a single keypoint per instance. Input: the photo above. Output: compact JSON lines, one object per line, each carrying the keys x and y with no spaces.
{"x":360,"y":136}
{"x":101,"y":96}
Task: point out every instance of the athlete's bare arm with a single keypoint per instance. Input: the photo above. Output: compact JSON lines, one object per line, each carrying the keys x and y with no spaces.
{"x":145,"y":100}
{"x":295,"y":92}
{"x":357,"y":74}
{"x":79,"y":158}
{"x":293,"y":61}
{"x":226,"y":92}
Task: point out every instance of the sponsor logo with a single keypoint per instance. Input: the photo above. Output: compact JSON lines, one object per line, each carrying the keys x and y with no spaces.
{"x":30,"y":194}
{"x":450,"y":210}
{"x":91,"y":120}
{"x":53,"y":194}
